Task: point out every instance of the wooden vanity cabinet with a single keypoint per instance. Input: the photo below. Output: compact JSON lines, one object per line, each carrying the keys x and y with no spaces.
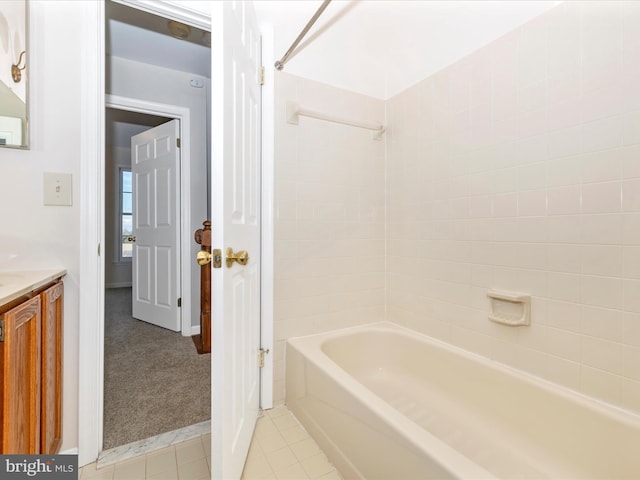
{"x":31,"y":373}
{"x":21,"y":367}
{"x":51,"y":399}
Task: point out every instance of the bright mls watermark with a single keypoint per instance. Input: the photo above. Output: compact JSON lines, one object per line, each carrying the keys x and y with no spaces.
{"x":24,"y":467}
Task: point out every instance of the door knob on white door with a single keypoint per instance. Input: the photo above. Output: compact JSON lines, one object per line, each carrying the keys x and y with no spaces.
{"x":203,"y":257}
{"x":242,"y":257}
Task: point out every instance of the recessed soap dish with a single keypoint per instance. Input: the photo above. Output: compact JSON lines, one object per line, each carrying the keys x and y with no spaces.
{"x":509,"y":308}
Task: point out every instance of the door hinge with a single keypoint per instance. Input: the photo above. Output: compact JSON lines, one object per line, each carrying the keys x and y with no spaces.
{"x":261,"y":353}
{"x":178,"y":142}
{"x":180,"y":302}
{"x":261,"y":75}
{"x":98,"y":249}
{"x":1,"y":330}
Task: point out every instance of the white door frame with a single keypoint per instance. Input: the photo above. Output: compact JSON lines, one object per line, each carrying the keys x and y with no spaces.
{"x":184,"y":207}
{"x":92,"y":174}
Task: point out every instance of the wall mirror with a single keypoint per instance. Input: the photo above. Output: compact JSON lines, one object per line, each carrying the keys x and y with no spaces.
{"x":14,"y":81}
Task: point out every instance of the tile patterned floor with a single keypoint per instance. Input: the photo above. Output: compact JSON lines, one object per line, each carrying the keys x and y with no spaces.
{"x":189,"y":460}
{"x":281,"y":450}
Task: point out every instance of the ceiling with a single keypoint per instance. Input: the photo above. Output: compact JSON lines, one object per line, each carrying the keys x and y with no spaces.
{"x":121,"y":125}
{"x":380,"y":48}
{"x":374,"y":47}
{"x":142,"y":36}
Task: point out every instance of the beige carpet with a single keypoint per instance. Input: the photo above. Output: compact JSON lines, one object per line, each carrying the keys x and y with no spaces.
{"x":155,"y":381}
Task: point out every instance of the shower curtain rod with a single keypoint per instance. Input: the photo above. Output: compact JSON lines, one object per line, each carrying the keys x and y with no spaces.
{"x":280,"y":63}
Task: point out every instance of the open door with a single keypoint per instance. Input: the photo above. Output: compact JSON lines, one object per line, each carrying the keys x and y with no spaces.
{"x":155,"y":163}
{"x":235,"y":210}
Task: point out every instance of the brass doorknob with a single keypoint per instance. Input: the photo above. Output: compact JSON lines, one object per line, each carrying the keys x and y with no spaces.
{"x":203,"y":257}
{"x":242,"y":257}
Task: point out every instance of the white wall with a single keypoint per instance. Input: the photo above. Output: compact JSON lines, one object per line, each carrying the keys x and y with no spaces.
{"x":117,"y":273}
{"x":518,"y":168}
{"x":41,"y":236}
{"x":329,"y":201}
{"x":141,"y":81}
{"x":12,"y":43}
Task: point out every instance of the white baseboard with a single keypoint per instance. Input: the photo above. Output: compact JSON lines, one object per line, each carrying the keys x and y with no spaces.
{"x":71,"y":451}
{"x":117,"y":285}
{"x":195,"y":329}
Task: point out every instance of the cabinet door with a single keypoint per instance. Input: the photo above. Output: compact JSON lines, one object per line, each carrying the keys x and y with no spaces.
{"x":51,"y":408}
{"x":20,"y":357}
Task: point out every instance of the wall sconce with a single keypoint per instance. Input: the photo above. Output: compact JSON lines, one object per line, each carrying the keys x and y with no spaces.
{"x":16,"y":69}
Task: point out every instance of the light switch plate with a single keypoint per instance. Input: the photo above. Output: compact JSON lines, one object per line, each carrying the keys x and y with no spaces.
{"x":57,"y":189}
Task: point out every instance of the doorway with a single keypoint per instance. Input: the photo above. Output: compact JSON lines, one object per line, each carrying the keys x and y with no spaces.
{"x":154,"y":381}
{"x":91,"y":333}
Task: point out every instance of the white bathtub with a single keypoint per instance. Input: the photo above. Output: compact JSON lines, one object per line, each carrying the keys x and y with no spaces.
{"x":384,"y":402}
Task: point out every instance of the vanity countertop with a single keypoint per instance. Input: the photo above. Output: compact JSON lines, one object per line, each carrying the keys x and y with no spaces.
{"x":14,"y":284}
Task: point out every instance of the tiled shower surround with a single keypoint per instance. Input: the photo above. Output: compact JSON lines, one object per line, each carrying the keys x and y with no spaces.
{"x":330,"y":216}
{"x":516,"y":168}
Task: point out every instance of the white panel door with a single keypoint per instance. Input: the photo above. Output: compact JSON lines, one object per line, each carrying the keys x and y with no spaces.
{"x":235,"y":224}
{"x":155,"y":160}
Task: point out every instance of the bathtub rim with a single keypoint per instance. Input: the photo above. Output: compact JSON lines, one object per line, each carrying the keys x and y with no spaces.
{"x":610,"y":410}
{"x":310,"y":348}
{"x":424,"y":441}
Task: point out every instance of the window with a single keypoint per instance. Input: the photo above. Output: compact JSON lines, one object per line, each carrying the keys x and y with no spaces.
{"x":126,"y":214}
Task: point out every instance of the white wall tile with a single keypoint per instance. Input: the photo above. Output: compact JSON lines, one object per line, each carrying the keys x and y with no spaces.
{"x":505,"y":205}
{"x":565,"y":142}
{"x":629,"y":157}
{"x":602,"y":354}
{"x":565,"y":120}
{"x":631,"y":366}
{"x":532,"y":203}
{"x":603,"y":292}
{"x":602,"y":229}
{"x":631,"y":328}
{"x":564,"y":200}
{"x":631,"y":195}
{"x":481,"y":206}
{"x":601,"y":166}
{"x":532,"y":176}
{"x":602,"y":197}
{"x":631,"y":128}
{"x":603,"y":102}
{"x":330,"y":182}
{"x":564,"y":171}
{"x":563,"y":315}
{"x":563,"y":229}
{"x":605,"y":260}
{"x":604,"y":133}
{"x":563,"y":258}
{"x":631,"y":262}
{"x":631,"y":295}
{"x":564,"y":112}
{"x":602,"y":323}
{"x":535,"y":191}
{"x":563,"y":286}
{"x":630,"y":228}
